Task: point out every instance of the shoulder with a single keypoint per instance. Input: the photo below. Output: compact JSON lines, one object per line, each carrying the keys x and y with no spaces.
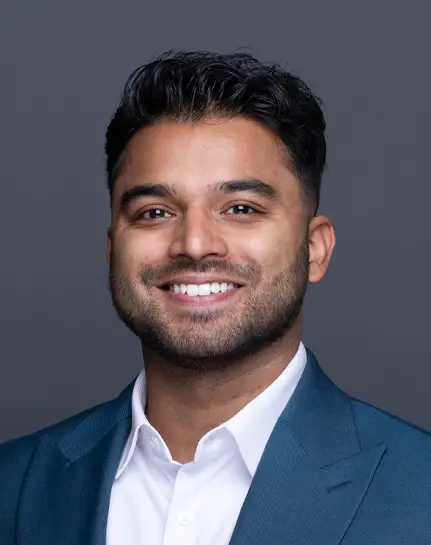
{"x":97,"y":416}
{"x":87,"y":425}
{"x":16,"y":455}
{"x":18,"y":451}
{"x":407,"y":459}
{"x":373,"y":423}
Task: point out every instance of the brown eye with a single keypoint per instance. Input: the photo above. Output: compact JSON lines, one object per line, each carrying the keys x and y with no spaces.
{"x":153,"y":214}
{"x":241,"y":210}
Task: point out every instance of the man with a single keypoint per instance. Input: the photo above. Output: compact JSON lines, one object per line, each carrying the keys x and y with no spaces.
{"x":231,"y":433}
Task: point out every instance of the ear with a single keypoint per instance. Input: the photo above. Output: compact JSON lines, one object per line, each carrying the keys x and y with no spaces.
{"x":109,"y":245}
{"x":321,"y":243}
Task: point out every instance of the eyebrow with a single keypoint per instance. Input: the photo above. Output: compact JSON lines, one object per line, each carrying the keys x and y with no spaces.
{"x":224,"y":188}
{"x":145,"y":190}
{"x":247,"y":184}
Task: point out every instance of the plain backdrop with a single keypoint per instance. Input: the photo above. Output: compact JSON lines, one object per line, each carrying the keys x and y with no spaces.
{"x":63,"y":66}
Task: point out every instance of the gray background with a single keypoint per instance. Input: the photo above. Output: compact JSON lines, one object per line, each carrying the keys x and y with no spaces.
{"x":62,"y":348}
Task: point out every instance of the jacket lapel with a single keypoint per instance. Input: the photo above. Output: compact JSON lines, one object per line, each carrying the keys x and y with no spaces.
{"x":313,"y":474}
{"x":65,"y":497}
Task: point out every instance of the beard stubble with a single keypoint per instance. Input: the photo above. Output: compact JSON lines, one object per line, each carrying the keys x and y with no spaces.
{"x":211,"y":339}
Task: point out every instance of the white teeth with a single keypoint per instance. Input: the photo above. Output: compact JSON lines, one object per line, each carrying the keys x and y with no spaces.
{"x":204,"y":289}
{"x":215,"y":287}
{"x":194,"y":290}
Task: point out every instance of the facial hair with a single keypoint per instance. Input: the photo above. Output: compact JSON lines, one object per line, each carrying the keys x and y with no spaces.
{"x":206,"y":339}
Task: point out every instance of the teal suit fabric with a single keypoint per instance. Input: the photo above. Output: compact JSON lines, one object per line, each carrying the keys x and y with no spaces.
{"x":334,"y":471}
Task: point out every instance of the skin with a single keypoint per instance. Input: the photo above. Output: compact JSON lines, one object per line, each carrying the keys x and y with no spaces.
{"x":189,"y":396}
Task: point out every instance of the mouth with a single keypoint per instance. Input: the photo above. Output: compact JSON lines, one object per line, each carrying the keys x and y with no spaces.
{"x":200,"y":293}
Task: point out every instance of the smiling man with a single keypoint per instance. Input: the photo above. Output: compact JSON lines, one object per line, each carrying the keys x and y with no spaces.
{"x":231,"y":434}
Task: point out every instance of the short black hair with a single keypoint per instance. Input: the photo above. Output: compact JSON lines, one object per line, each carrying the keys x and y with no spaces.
{"x":189,"y":86}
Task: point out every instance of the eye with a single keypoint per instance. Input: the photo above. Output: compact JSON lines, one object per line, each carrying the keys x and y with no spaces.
{"x":241,"y":210}
{"x":152,"y":214}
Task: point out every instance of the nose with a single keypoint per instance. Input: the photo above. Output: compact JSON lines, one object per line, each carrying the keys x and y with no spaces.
{"x":198,"y":237}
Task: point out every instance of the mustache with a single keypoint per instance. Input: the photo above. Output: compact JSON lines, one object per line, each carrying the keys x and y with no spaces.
{"x":248,"y":271}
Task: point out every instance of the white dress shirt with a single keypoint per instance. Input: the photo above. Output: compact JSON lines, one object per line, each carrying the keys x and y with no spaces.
{"x":158,"y":501}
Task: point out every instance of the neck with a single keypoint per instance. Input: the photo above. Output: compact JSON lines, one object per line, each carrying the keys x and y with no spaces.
{"x":184,"y":405}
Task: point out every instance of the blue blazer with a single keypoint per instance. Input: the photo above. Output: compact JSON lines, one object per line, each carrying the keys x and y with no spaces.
{"x":334,"y":471}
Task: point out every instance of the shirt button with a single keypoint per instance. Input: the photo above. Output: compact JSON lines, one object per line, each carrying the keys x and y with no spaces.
{"x":185,"y":518}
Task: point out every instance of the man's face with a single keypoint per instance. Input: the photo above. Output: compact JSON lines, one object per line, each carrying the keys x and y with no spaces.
{"x":208,"y":247}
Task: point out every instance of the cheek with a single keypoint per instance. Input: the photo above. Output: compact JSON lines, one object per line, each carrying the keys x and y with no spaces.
{"x":133,"y":251}
{"x":272,"y":252}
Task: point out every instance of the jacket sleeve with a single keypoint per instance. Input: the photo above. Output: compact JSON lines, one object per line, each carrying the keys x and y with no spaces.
{"x":15,"y":457}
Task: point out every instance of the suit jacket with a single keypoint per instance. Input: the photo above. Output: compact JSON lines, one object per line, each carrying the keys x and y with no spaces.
{"x":334,"y":471}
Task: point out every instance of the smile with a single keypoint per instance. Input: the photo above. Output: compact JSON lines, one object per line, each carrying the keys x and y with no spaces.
{"x":202,"y":290}
{"x":200,"y":295}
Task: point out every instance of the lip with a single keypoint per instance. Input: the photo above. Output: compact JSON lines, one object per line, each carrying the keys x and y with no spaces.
{"x":199,"y":279}
{"x":200,"y":301}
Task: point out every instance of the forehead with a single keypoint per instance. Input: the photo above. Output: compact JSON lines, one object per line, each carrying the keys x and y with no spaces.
{"x":192,"y":156}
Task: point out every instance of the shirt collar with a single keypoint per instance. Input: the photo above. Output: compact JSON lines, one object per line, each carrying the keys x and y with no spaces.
{"x":139,"y":420}
{"x":251,"y":427}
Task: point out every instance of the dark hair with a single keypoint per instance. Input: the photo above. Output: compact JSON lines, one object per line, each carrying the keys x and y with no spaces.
{"x":188,"y":86}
